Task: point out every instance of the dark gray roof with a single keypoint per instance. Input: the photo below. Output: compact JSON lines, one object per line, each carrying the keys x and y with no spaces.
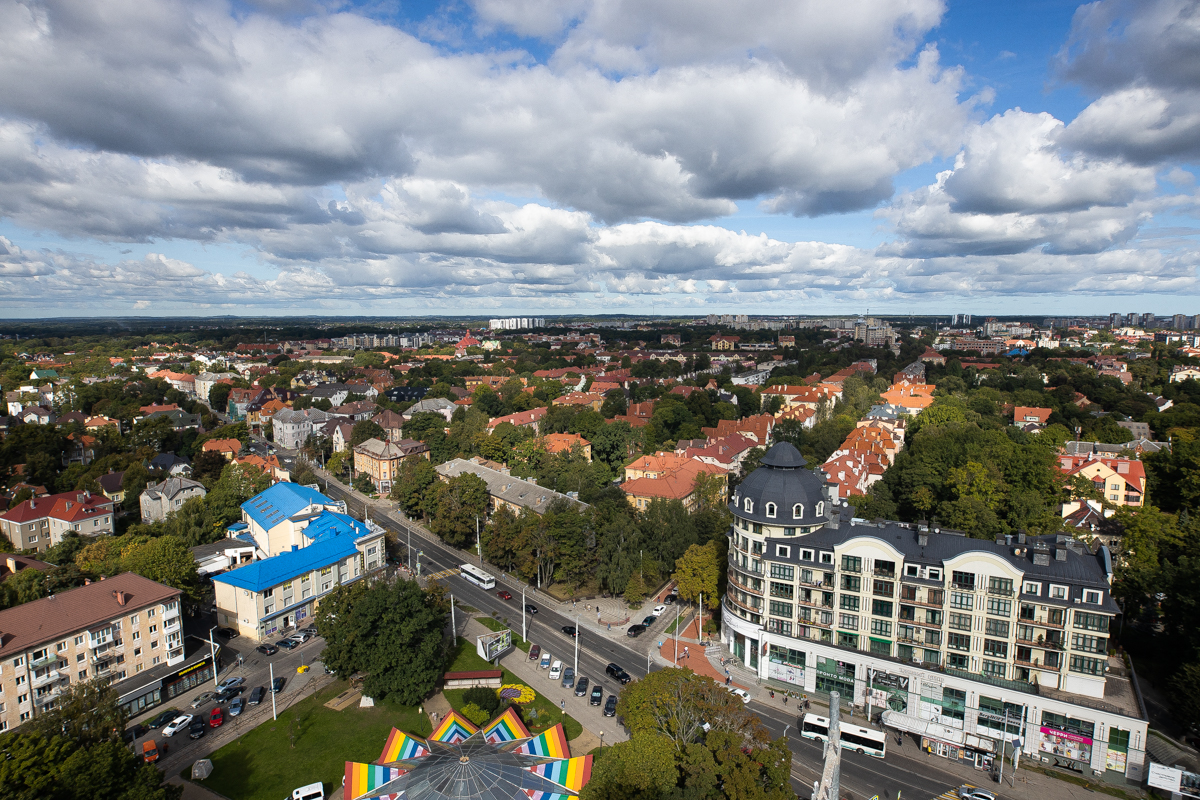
{"x":783,"y":480}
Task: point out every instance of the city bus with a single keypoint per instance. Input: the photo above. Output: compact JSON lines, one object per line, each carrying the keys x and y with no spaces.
{"x":477,"y":576}
{"x":860,"y":740}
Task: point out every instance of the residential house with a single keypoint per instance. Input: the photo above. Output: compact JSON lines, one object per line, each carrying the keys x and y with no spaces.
{"x":381,"y":460}
{"x":435,"y":405}
{"x":180,"y":419}
{"x":268,"y":466}
{"x":504,"y":490}
{"x":1031,"y":420}
{"x":42,"y":522}
{"x":226,"y":447}
{"x":912,"y":398}
{"x":757,"y":427}
{"x":1122,"y":481}
{"x":81,"y":449}
{"x":566,"y":442}
{"x":43,"y":375}
{"x":727,"y":453}
{"x":358,"y":411}
{"x":112,"y":485}
{"x":239,"y":401}
{"x":335,"y":393}
{"x":205,"y":381}
{"x":1182,"y":373}
{"x":723,"y":342}
{"x":98,"y":422}
{"x":931,"y":356}
{"x":1140,"y":430}
{"x":291,"y":428}
{"x":392,"y":424}
{"x":159,"y":500}
{"x":36,"y":415}
{"x":675,"y":484}
{"x":522,"y":419}
{"x":170,"y":464}
{"x":105,"y":630}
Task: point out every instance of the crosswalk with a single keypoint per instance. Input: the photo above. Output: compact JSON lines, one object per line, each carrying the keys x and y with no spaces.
{"x":952,"y":794}
{"x":446,"y":573}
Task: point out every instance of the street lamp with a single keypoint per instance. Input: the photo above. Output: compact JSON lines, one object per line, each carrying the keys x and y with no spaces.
{"x":601,"y":740}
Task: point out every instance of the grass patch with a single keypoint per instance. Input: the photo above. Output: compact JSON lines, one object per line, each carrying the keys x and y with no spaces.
{"x":263,"y":764}
{"x":680,"y":620}
{"x":540,"y":715}
{"x":497,"y":625}
{"x":1078,"y":780}
{"x":466,"y":608}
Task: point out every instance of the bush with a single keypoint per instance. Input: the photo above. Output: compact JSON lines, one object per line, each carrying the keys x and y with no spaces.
{"x":483,"y":698}
{"x":476,"y":714}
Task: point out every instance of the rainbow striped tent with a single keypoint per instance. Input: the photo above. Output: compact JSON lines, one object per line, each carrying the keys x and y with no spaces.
{"x":551,"y":744}
{"x":401,"y":746}
{"x":454,"y":728}
{"x":506,"y":727}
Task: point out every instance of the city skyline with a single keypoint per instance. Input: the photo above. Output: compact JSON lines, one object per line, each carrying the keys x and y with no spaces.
{"x":511,"y":157}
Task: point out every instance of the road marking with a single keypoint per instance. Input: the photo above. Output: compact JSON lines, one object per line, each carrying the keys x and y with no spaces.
{"x":952,"y":794}
{"x":446,"y":573}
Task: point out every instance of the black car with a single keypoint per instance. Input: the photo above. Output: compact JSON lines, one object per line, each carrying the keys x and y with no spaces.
{"x":197,"y":728}
{"x":650,"y":620}
{"x":277,"y":685}
{"x":227,"y":633}
{"x":635,"y":630}
{"x":257,"y":695}
{"x":228,"y":693}
{"x":610,"y":706}
{"x":615,"y":671}
{"x":530,"y":608}
{"x":135,"y":732}
{"x":597,"y":694}
{"x":287,"y":644}
{"x":581,"y":687}
{"x":267,"y":649}
{"x":162,"y":719}
{"x":570,"y":630}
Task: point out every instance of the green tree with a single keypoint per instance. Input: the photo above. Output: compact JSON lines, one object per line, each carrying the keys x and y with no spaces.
{"x":237,"y":484}
{"x":218,"y":397}
{"x":635,"y":590}
{"x":26,"y":585}
{"x":456,"y":505}
{"x":363,"y":430}
{"x":166,"y":560}
{"x":676,"y":703}
{"x":642,"y":768}
{"x":1184,"y":691}
{"x":207,"y":468}
{"x":414,"y":480}
{"x":697,"y":572}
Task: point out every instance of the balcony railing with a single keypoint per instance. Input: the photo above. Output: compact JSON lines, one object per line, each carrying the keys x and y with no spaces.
{"x":1047,"y":623}
{"x":49,"y":677}
{"x":742,"y":586}
{"x":884,"y":573}
{"x":1000,"y":592}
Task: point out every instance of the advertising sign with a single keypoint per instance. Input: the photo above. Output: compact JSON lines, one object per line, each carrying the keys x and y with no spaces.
{"x":785,"y":673}
{"x":494,"y":645}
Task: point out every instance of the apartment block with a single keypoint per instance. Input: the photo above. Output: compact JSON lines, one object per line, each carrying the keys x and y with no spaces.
{"x":945,"y":633}
{"x":42,"y":522}
{"x":107,"y":631}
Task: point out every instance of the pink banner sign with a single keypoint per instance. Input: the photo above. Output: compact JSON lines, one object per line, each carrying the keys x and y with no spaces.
{"x":1070,"y":737}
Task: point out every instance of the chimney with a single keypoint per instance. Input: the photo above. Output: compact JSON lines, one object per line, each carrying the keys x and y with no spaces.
{"x":87,"y":581}
{"x":1060,"y":554}
{"x":121,"y":597}
{"x":12,"y":564}
{"x":923,"y":537}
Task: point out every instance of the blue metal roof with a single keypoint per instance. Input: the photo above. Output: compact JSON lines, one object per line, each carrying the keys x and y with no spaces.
{"x":331,"y":523}
{"x":273,"y":571}
{"x":273,"y":506}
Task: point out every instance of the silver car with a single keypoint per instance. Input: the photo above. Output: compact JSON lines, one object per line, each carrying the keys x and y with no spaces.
{"x":968,"y":792}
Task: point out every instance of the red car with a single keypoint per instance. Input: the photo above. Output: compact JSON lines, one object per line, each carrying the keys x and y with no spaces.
{"x":216,"y":719}
{"x":503,"y":595}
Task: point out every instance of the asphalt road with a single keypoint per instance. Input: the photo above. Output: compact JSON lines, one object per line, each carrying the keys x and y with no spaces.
{"x":863,"y":777}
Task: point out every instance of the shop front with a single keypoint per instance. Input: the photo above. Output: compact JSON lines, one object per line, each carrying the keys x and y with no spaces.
{"x":836,"y":676}
{"x":785,"y":665}
{"x":188,"y":678}
{"x":151,"y":688}
{"x":1065,"y":749}
{"x":943,"y":740}
{"x":886,"y":691}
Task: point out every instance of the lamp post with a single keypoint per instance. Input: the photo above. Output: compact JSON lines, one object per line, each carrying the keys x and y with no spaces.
{"x":601,"y":740}
{"x":212,"y":649}
{"x":577,"y":632}
{"x":676,"y":634}
{"x":524,"y":635}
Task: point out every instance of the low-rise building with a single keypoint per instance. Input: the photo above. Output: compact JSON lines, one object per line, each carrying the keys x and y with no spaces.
{"x":106,"y":630}
{"x":531,"y":419}
{"x":676,"y":484}
{"x":503,"y":489}
{"x":566,"y":442}
{"x":229,"y":448}
{"x":1122,"y":481}
{"x":159,"y":500}
{"x":435,"y":405}
{"x":42,"y":522}
{"x":382,"y":460}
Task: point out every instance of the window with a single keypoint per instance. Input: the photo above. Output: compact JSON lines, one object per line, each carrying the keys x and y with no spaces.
{"x":957,"y":641}
{"x":137,"y":651}
{"x":851,"y":564}
{"x":60,"y":646}
{"x":881,"y":648}
{"x":881,"y":608}
{"x":960,"y":622}
{"x":820,"y":508}
{"x":756,"y":528}
{"x":154,"y":646}
{"x":749,"y":506}
{"x":1093,"y":597}
{"x":1089,"y":644}
{"x":993,"y":669}
{"x":851,"y":583}
{"x":789,"y":531}
{"x":1028,"y":611}
{"x":935,"y":574}
{"x":806,"y":555}
{"x":18,"y":661}
{"x":79,"y":639}
{"x":883,"y":588}
{"x":779,"y":609}
{"x":881,"y":627}
{"x":958,"y":661}
{"x":784,"y":590}
{"x":826,"y":558}
{"x":783,"y":551}
{"x":962,"y":600}
{"x":963,"y":580}
{"x":1001,"y":608}
{"x":933,"y":617}
{"x":1033,"y":588}
{"x":1091,"y":622}
{"x":1058,"y":592}
{"x":848,"y":639}
{"x":798,"y":511}
{"x":1087,"y":666}
{"x":996,"y":627}
{"x":849,"y":602}
{"x":1000,"y":586}
{"x":783,"y":571}
{"x":848,"y":621}
{"x":137,"y":635}
{"x":995,"y":648}
{"x":150,"y":612}
{"x":154,"y":629}
{"x":771,"y":510}
{"x":912,"y":570}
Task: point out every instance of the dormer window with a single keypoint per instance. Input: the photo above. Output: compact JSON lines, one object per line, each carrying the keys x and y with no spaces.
{"x":821,"y":509}
{"x":798,"y":511}
{"x":771,"y":510}
{"x":749,"y":506}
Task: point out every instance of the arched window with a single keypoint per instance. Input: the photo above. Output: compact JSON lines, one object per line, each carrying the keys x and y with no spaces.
{"x":771,"y":510}
{"x":798,"y":511}
{"x":820,"y":509}
{"x":749,"y":506}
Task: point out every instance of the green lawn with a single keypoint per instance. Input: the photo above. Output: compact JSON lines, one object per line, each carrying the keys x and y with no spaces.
{"x":263,"y":764}
{"x":539,"y":715}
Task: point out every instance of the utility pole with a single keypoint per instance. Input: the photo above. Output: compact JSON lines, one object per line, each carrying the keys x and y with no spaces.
{"x":274,"y":711}
{"x":478,"y":542}
{"x":677,"y":632}
{"x":577,"y":632}
{"x":524,"y":635}
{"x":700,"y":630}
{"x":1004,"y":744}
{"x":831,"y":776}
{"x":212,"y":649}
{"x":453,"y":620}
{"x":870,"y":671}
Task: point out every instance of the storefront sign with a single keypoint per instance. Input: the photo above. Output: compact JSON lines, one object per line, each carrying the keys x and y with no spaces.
{"x":1066,"y":745}
{"x":785,"y":673}
{"x":1115,"y":760}
{"x":886,"y":680}
{"x":1070,"y":737}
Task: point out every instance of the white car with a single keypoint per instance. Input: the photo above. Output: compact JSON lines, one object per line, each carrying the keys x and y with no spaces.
{"x":556,"y":671}
{"x":659,"y":611}
{"x":178,"y":724}
{"x":741,"y":694}
{"x":968,"y":792}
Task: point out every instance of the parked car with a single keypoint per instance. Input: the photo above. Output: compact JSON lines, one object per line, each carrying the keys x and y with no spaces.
{"x":311,"y":630}
{"x":149,"y":751}
{"x":570,"y":630}
{"x":658,"y":610}
{"x":197,"y":729}
{"x":535,"y":652}
{"x":503,"y":595}
{"x":216,"y":719}
{"x":650,"y":620}
{"x":277,"y":685}
{"x":545,"y":661}
{"x":225,"y":695}
{"x":227,"y":633}
{"x":740,"y":694}
{"x":237,"y":706}
{"x":581,"y":686}
{"x":568,"y":678}
{"x":556,"y":670}
{"x":610,"y":706}
{"x":635,"y":631}
{"x":230,"y":682}
{"x":287,"y":644}
{"x":177,"y":724}
{"x":300,"y":636}
{"x":130,"y":734}
{"x":257,"y":695}
{"x":162,"y":719}
{"x":615,"y":671}
{"x":530,"y":608}
{"x":670,"y":599}
{"x":596,"y":695}
{"x":202,"y":699}
{"x":314,"y":791}
{"x":968,"y":792}
{"x":267,"y":649}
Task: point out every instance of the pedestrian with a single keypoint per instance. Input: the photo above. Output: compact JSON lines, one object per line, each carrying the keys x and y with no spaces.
{"x":686,"y":654}
{"x":785,"y":699}
{"x":772,"y":692}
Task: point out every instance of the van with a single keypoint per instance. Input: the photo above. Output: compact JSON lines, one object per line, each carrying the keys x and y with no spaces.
{"x":314,"y":791}
{"x":545,"y":662}
{"x":149,"y":751}
{"x":556,"y":671}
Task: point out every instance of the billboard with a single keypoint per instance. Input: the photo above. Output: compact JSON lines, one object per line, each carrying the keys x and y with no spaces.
{"x":1174,"y":780}
{"x":491,"y":646}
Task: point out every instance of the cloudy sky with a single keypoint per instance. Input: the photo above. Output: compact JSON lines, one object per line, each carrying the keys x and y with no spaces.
{"x":598,"y":156}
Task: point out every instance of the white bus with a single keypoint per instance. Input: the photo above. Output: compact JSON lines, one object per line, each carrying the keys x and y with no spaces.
{"x":860,"y":740}
{"x":477,"y":576}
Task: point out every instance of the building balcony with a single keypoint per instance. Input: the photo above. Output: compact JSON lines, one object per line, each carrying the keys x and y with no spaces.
{"x":47,"y":660}
{"x":1000,"y":592}
{"x":926,"y":603}
{"x":49,"y":677}
{"x":962,"y":587}
{"x":172,"y":624}
{"x":744,"y":587}
{"x":883,"y":573}
{"x":743,"y":607}
{"x":172,"y":613}
{"x":1046,"y":623}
